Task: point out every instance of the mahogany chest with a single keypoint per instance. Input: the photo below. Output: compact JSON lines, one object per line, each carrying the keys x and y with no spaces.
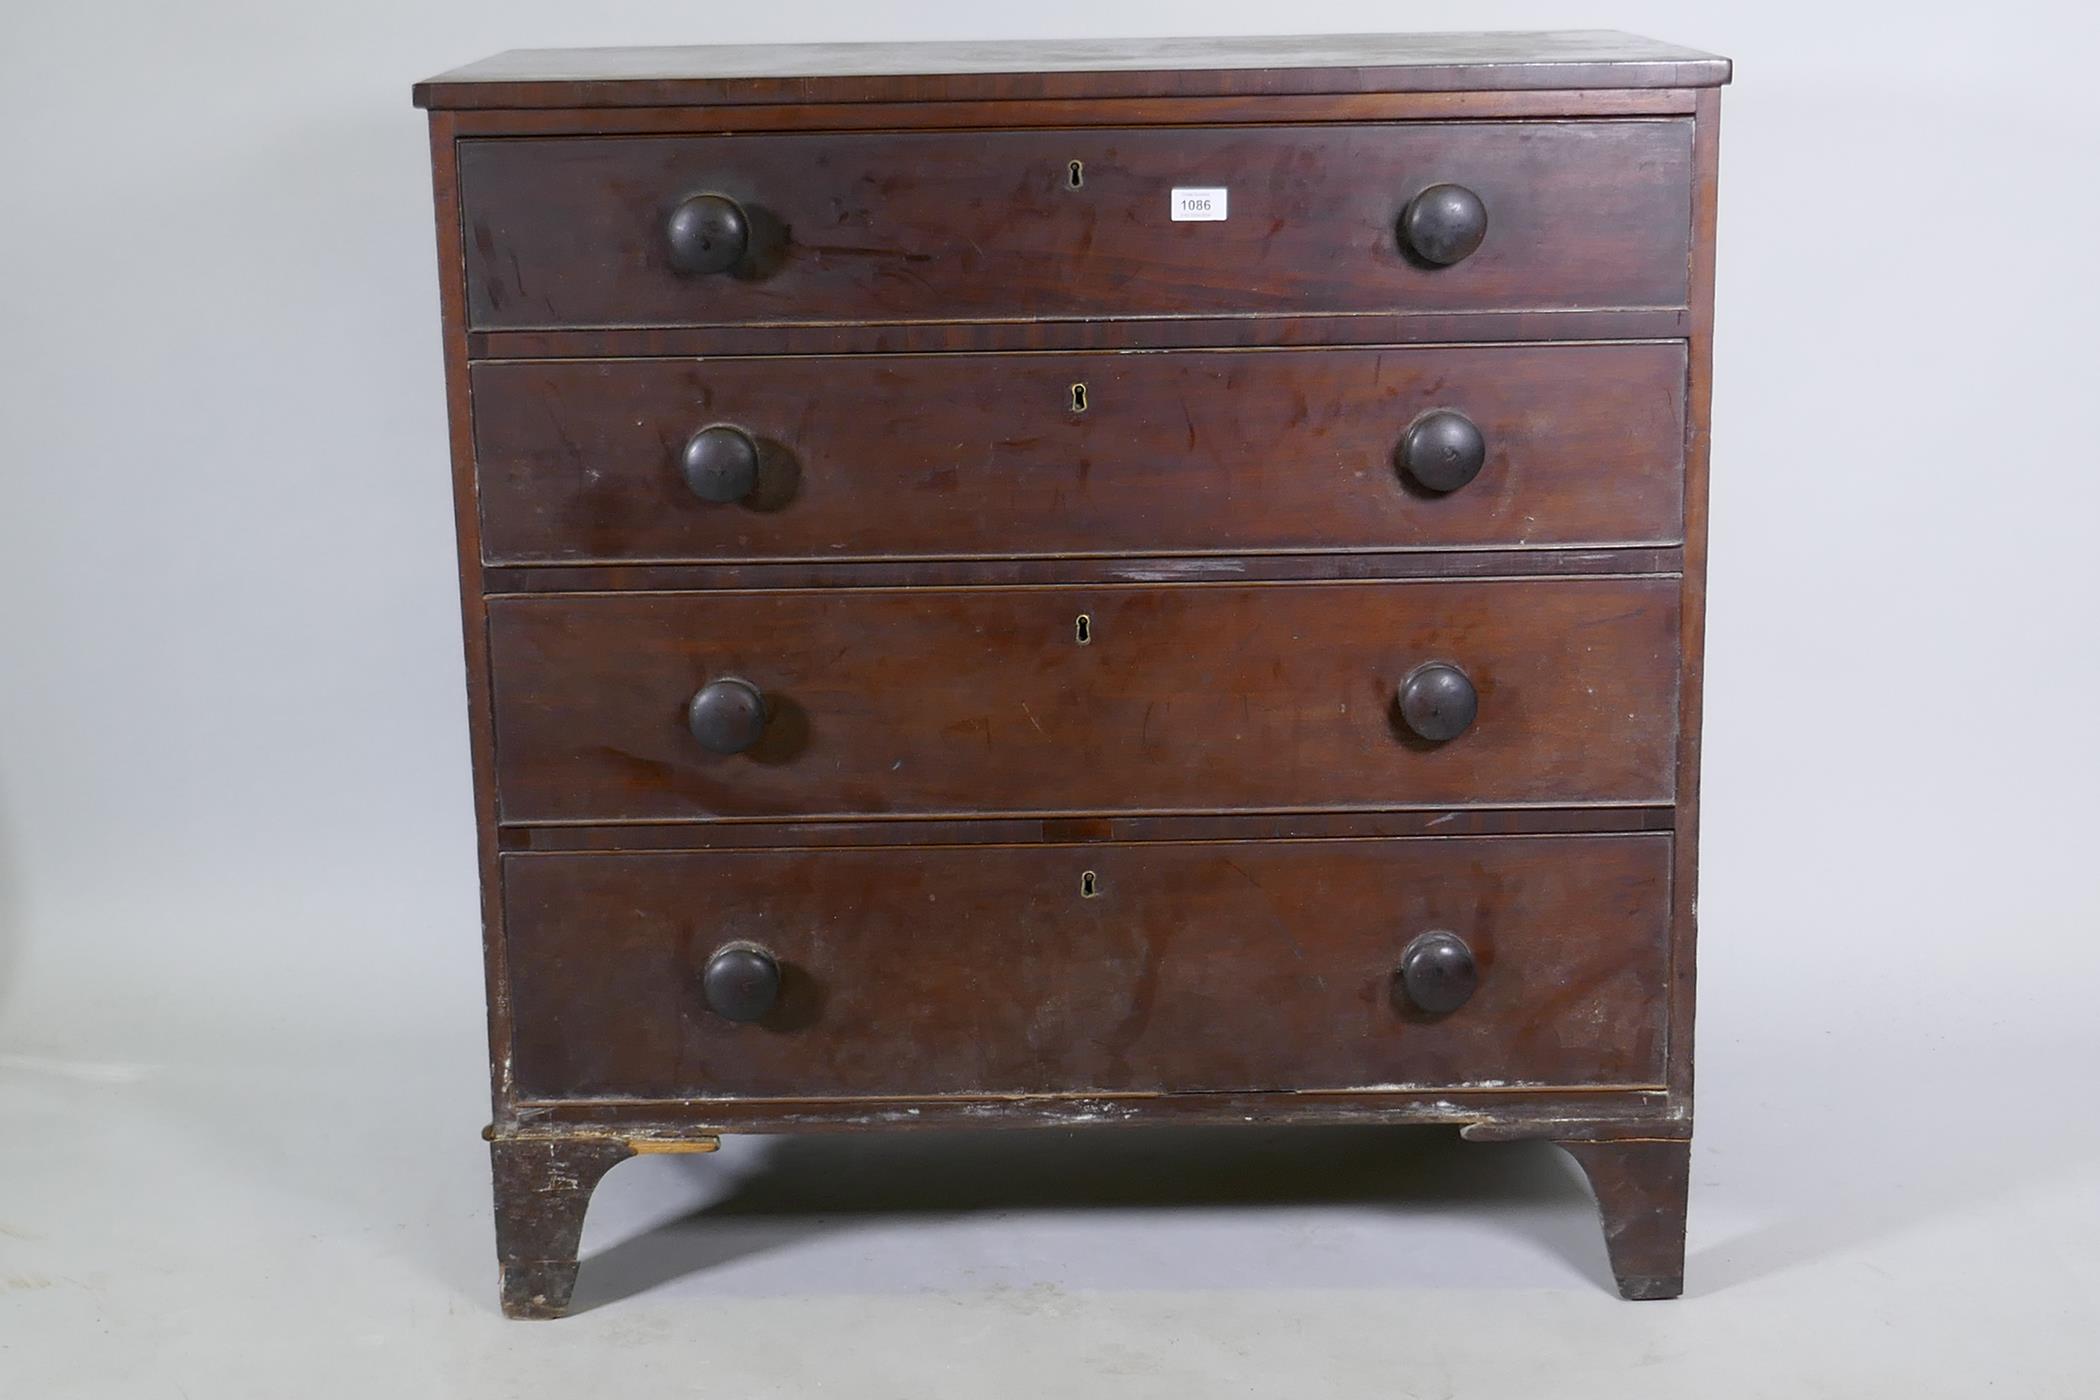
{"x":1083,"y":583}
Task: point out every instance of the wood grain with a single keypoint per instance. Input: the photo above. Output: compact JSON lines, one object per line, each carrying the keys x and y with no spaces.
{"x":902,"y":226}
{"x":1213,"y":967}
{"x":982,"y":701}
{"x":1181,"y":453}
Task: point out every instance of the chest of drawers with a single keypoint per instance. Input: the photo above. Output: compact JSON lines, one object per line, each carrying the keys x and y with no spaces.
{"x":1048,"y":584}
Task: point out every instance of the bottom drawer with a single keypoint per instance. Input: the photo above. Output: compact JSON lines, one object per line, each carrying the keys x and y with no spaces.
{"x":1228,"y":966}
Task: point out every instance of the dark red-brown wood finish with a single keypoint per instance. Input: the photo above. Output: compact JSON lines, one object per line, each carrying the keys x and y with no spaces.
{"x":949,"y":643}
{"x":879,"y":227}
{"x":1030,"y":455}
{"x":1097,"y":968}
{"x":1130,"y":698}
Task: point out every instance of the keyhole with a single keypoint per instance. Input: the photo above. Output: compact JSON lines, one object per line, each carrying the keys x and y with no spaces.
{"x":1075,"y":175}
{"x":1082,"y":629}
{"x":1089,"y":885}
{"x":1079,"y":398}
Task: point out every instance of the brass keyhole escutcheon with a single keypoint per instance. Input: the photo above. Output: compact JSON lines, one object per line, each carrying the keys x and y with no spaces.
{"x":1075,"y":175}
{"x":1083,"y":629}
{"x":1079,"y":398}
{"x":1089,"y":885}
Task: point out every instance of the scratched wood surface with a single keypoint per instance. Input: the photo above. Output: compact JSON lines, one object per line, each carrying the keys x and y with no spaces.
{"x":907,"y":226}
{"x":1232,"y":966}
{"x":1017,"y":455}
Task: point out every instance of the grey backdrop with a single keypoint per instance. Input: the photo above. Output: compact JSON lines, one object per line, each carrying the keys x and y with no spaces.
{"x":234,"y":803}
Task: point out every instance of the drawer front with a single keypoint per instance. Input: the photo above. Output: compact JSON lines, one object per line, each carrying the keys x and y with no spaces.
{"x":913,"y":226}
{"x":1215,"y":966}
{"x":1047,"y":454}
{"x":1165,"y":698}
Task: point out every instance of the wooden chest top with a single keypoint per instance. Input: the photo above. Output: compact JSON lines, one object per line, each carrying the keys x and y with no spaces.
{"x":1264,"y":66}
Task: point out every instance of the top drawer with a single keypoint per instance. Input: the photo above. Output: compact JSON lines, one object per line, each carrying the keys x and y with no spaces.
{"x":995,"y":225}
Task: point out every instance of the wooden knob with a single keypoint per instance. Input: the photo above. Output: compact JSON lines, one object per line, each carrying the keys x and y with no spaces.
{"x":1438,"y":973}
{"x":707,"y":233}
{"x":741,"y":982}
{"x":727,"y":716}
{"x":1444,"y":224}
{"x":1438,"y":702}
{"x":1442,"y":450}
{"x":720,"y":463}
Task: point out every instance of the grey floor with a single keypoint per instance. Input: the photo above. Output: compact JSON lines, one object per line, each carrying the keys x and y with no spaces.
{"x":279,"y":1212}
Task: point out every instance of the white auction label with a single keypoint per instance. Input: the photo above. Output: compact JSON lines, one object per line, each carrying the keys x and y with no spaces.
{"x":1197,"y":204}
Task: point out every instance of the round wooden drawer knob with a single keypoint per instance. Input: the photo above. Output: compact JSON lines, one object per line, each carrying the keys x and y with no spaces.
{"x":707,"y":233}
{"x":1443,"y":450}
{"x":741,"y":982}
{"x":1444,"y":224}
{"x":1438,"y":973}
{"x":1438,"y":702}
{"x":720,"y":463}
{"x":727,"y":716}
